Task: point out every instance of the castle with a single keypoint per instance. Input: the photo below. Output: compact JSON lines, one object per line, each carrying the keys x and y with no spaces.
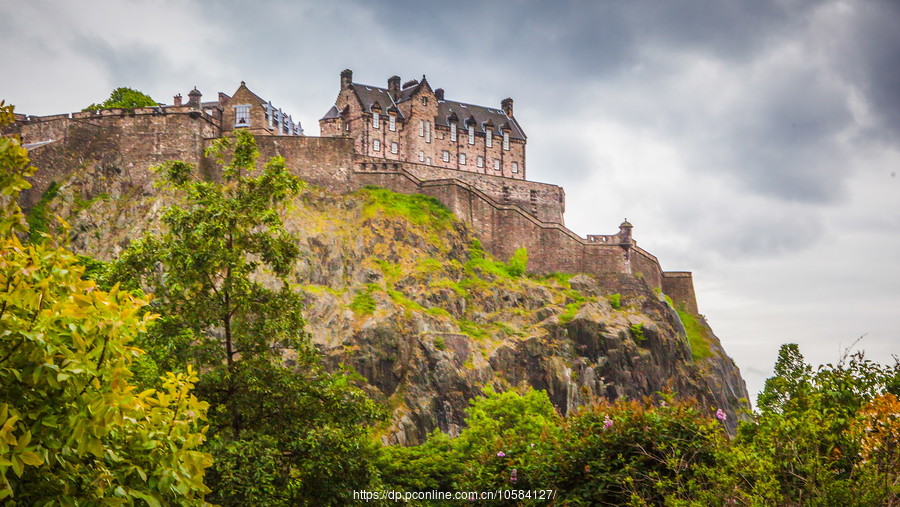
{"x":407,"y":138}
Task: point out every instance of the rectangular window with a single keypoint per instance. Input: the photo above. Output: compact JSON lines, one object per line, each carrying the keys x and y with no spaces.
{"x":421,"y":156}
{"x":453,"y":132}
{"x":445,"y":155}
{"x":376,"y":120}
{"x":421,"y":128}
{"x":506,"y":140}
{"x":489,"y":138}
{"x":471,"y":135}
{"x":376,"y":145}
{"x":428,"y":160}
{"x":392,"y":122}
{"x":242,"y":116}
{"x":427,"y":131}
{"x":394,"y":147}
{"x":479,"y":161}
{"x":515,"y":167}
{"x":462,"y":159}
{"x":496,"y":164}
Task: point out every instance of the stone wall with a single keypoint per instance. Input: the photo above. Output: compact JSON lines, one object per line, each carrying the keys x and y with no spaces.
{"x":115,"y":146}
{"x":679,"y":285}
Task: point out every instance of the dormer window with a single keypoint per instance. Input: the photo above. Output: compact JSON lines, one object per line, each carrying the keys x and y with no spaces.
{"x":376,"y":120}
{"x":242,"y":116}
{"x":392,"y":122}
{"x":453,"y":131}
{"x":489,"y":137}
{"x":471,"y":134}
{"x":506,"y":140}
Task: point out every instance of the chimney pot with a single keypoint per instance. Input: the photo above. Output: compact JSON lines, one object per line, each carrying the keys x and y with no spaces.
{"x":346,"y":78}
{"x":507,"y":106}
{"x":439,"y":93}
{"x":177,"y":100}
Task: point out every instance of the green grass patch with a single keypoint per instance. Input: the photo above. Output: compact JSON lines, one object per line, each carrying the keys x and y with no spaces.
{"x":571,"y":310}
{"x":561,"y":279}
{"x":363,"y":303}
{"x":439,"y":343}
{"x":392,"y":272}
{"x":427,"y":266}
{"x":408,"y":304}
{"x":437,"y":311}
{"x":479,"y":260}
{"x":320,"y":289}
{"x":615,"y":300}
{"x":637,"y":332}
{"x":472,"y":329}
{"x":417,"y":208}
{"x":698,"y":335}
{"x":38,"y":217}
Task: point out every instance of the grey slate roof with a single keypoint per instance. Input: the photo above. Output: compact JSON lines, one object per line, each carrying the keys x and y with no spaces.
{"x":369,"y":95}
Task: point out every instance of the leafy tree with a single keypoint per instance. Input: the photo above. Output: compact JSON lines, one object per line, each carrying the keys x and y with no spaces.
{"x":280,"y":435}
{"x":808,"y":429}
{"x":73,"y":428}
{"x":125,"y":98}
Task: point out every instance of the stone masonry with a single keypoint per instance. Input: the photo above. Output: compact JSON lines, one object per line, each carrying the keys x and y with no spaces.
{"x":507,"y":211}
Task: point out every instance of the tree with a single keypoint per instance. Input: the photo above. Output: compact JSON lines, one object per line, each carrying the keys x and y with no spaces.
{"x":73,"y":428}
{"x":279,"y":434}
{"x":125,"y":98}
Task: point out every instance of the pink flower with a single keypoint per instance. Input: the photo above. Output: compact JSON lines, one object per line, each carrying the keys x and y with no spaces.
{"x":607,"y":422}
{"x":501,"y":454}
{"x":513,"y":476}
{"x":721,"y":415}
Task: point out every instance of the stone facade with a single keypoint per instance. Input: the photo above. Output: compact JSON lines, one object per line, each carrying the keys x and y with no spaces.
{"x":507,"y":212}
{"x":415,"y":123}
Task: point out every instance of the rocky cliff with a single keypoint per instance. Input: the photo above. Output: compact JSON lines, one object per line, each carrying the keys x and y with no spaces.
{"x":399,"y":290}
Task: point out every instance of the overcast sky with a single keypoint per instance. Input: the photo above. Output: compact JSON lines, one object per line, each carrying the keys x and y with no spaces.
{"x":754,"y":143}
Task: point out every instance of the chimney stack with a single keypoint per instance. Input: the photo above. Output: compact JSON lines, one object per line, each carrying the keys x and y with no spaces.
{"x":346,"y":78}
{"x":507,"y":106}
{"x":177,"y":100}
{"x":439,"y":93}
{"x":394,"y":87}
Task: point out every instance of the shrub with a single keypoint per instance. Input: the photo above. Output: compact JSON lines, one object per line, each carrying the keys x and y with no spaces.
{"x":615,"y":300}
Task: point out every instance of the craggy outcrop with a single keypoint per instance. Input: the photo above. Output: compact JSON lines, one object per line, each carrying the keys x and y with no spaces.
{"x":399,"y":291}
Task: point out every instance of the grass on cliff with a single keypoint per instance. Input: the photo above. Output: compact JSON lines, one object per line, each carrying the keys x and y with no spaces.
{"x":418,"y":209}
{"x":698,"y":335}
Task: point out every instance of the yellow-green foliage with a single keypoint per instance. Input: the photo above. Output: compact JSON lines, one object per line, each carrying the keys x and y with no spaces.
{"x":637,"y":332}
{"x":421,"y":210}
{"x":698,"y":335}
{"x":74,"y":430}
{"x":363,"y":303}
{"x":472,"y":329}
{"x":480,"y":261}
{"x":615,"y":300}
{"x":408,"y":304}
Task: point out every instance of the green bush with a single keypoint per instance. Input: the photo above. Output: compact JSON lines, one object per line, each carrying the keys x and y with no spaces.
{"x":363,"y":303}
{"x":615,"y":300}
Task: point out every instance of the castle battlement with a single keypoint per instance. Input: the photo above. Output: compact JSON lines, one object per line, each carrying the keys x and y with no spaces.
{"x":414,"y":126}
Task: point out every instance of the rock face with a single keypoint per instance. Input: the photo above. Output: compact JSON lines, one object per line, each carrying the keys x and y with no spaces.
{"x":399,"y":291}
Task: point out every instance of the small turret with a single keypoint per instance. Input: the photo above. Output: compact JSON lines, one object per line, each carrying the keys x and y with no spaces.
{"x":625,"y":231}
{"x":194,"y":98}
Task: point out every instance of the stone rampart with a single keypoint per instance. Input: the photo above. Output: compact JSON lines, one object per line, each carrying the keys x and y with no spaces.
{"x":679,"y":285}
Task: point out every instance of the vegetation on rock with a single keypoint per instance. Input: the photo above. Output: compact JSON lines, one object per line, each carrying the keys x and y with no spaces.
{"x":74,"y":429}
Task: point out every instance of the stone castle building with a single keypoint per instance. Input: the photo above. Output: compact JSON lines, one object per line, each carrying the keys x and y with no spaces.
{"x":407,"y":138}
